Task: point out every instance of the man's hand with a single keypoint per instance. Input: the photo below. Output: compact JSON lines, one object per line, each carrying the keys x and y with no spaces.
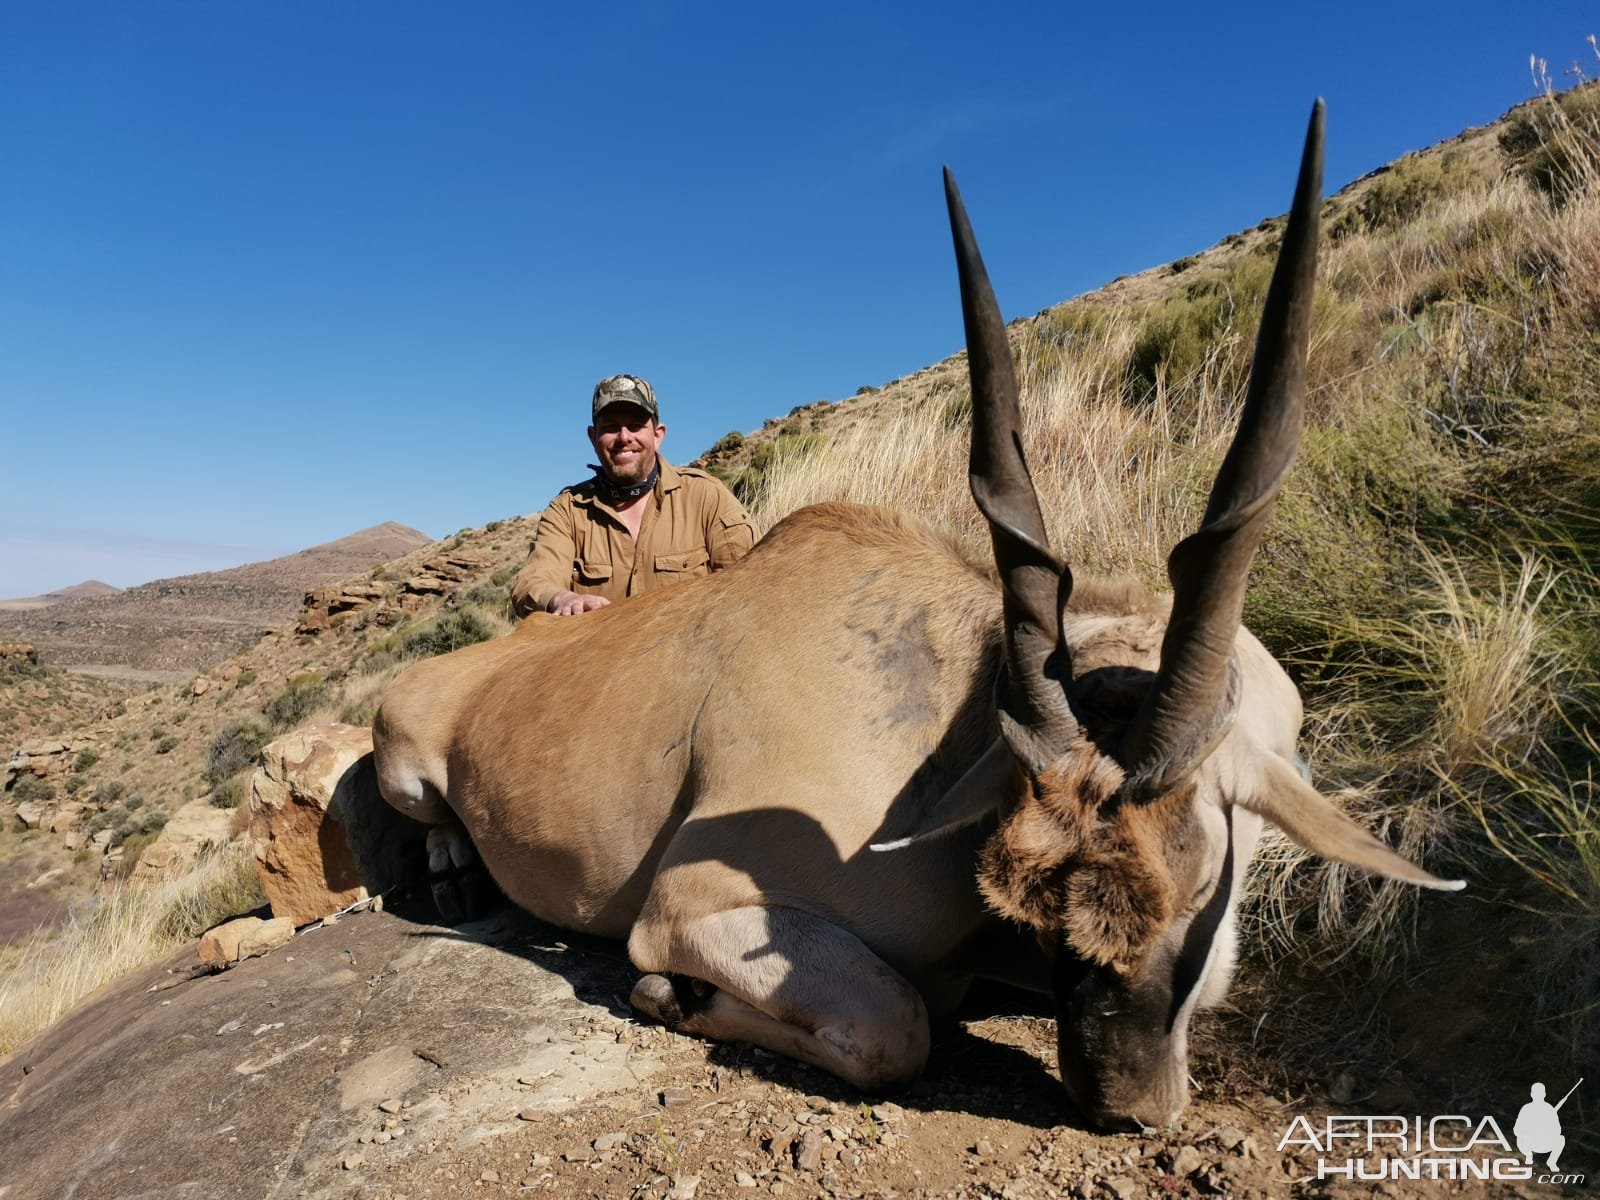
{"x":570,"y":604}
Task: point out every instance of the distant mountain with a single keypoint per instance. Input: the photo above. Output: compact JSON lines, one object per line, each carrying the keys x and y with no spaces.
{"x":89,"y":587}
{"x":170,"y":628}
{"x":78,"y":591}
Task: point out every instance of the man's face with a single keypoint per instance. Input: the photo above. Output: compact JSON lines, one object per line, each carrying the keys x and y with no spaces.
{"x":626,"y":439}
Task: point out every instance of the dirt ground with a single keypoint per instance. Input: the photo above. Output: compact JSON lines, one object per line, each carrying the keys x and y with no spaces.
{"x":384,"y":1057}
{"x":988,"y":1119}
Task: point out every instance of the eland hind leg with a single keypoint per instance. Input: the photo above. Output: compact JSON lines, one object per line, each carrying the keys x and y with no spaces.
{"x":461,"y":887}
{"x":786,"y":981}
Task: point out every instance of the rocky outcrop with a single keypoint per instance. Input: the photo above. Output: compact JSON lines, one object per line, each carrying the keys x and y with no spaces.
{"x":193,"y":827}
{"x":328,"y":606}
{"x":322,"y":835}
{"x":439,"y":575}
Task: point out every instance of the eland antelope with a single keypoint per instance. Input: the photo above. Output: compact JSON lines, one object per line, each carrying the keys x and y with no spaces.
{"x":820,"y":792}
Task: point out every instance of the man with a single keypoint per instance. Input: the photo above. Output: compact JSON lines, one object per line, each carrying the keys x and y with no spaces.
{"x":638,"y":525}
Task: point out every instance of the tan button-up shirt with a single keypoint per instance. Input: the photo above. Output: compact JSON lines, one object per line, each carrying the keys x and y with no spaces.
{"x":692,"y":526}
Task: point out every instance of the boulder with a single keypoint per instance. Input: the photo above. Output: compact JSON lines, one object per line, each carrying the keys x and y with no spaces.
{"x":194,"y":826}
{"x":200,"y":686}
{"x":66,"y":818}
{"x":322,"y":835}
{"x":32,"y":815}
{"x":242,"y":938}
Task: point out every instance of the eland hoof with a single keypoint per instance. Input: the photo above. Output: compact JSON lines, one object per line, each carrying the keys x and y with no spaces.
{"x":462,"y":890}
{"x":670,"y":999}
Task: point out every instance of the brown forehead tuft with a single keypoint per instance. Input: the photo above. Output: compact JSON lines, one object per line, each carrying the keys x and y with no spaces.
{"x":1073,"y":862}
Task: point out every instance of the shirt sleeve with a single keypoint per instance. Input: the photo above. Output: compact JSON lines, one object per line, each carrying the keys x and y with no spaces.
{"x":731,"y":532}
{"x":549,"y":566}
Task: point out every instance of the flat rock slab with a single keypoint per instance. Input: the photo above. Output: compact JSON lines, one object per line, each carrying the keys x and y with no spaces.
{"x":266,"y":1080}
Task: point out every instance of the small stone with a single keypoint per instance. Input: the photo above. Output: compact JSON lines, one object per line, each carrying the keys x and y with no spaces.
{"x":887,"y":1112}
{"x":983,"y":1148}
{"x":672,"y":1097}
{"x":1228,"y":1137}
{"x":1121,"y":1187}
{"x":577,"y":1156}
{"x":529,"y":1114}
{"x":1250,"y":1148}
{"x":609,"y":1141}
{"x":382,"y":1139}
{"x":1186,"y":1162}
{"x":389,"y":1106}
{"x":744,"y":1179}
{"x":490,"y":1175}
{"x":808,"y":1151}
{"x":684,"y":1188}
{"x":352,"y":1161}
{"x":539,"y":1160}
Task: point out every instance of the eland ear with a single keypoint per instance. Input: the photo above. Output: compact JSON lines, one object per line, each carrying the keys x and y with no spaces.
{"x":1310,"y":819}
{"x":988,"y":785}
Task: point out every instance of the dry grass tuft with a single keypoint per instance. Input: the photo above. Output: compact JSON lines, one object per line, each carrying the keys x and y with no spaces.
{"x":120,"y":930}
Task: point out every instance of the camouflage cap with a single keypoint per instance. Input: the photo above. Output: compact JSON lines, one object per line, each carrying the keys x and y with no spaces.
{"x":625,"y":389}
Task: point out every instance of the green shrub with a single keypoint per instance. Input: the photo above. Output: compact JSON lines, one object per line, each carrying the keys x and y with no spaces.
{"x":108,"y":793}
{"x":133,"y":848}
{"x":74,"y":784}
{"x":728,"y":442}
{"x":305,"y":693}
{"x":1178,"y":332}
{"x":492,"y":597}
{"x":1554,"y":143}
{"x":30,"y":788}
{"x":1402,"y":192}
{"x":236,"y":746}
{"x":245,"y":679}
{"x":87,"y":757}
{"x":166,"y":745}
{"x":230,"y":792}
{"x":451,"y":631}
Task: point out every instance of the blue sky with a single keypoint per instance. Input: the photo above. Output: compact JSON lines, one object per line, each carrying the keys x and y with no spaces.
{"x":274,"y":272}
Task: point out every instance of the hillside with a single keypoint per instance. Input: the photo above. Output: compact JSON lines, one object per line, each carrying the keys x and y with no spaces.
{"x":88,"y":589}
{"x":168,"y":629}
{"x":1429,"y":578}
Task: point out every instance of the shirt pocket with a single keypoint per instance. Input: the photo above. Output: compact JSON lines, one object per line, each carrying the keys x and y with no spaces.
{"x":587,"y":571}
{"x":684,"y":561}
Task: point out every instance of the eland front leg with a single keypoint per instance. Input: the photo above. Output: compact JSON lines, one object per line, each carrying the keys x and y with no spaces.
{"x":786,"y":981}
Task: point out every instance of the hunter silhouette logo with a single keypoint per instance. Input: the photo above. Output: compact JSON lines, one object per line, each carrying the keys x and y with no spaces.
{"x":1538,"y":1128}
{"x":1454,"y":1146}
